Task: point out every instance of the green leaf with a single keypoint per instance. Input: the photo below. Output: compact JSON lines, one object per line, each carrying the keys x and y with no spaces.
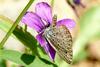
{"x":2,"y":63}
{"x":11,"y":55}
{"x":25,"y":59}
{"x":89,"y":29}
{"x":25,"y":37}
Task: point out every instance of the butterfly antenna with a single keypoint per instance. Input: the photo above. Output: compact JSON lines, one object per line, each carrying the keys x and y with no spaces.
{"x":54,"y":20}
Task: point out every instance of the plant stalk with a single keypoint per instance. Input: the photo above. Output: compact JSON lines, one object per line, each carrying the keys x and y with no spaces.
{"x":15,"y":23}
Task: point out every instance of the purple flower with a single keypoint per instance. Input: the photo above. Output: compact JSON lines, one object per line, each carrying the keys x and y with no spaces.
{"x":40,"y":20}
{"x":77,"y":2}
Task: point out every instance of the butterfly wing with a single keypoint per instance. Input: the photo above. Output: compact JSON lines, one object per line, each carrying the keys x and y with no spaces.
{"x":61,"y":40}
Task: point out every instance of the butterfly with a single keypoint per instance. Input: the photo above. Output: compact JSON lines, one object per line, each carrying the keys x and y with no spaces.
{"x":60,"y":39}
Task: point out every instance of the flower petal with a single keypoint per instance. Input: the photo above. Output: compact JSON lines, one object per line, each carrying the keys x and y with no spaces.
{"x":42,"y":41}
{"x":47,"y":47}
{"x":69,"y":23}
{"x":52,"y":52}
{"x":33,"y":20}
{"x":44,"y":11}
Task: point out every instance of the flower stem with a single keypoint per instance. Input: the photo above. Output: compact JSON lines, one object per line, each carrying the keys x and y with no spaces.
{"x":15,"y":24}
{"x":25,"y":28}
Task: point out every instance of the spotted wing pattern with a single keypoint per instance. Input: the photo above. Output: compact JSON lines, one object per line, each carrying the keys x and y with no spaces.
{"x":61,"y":40}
